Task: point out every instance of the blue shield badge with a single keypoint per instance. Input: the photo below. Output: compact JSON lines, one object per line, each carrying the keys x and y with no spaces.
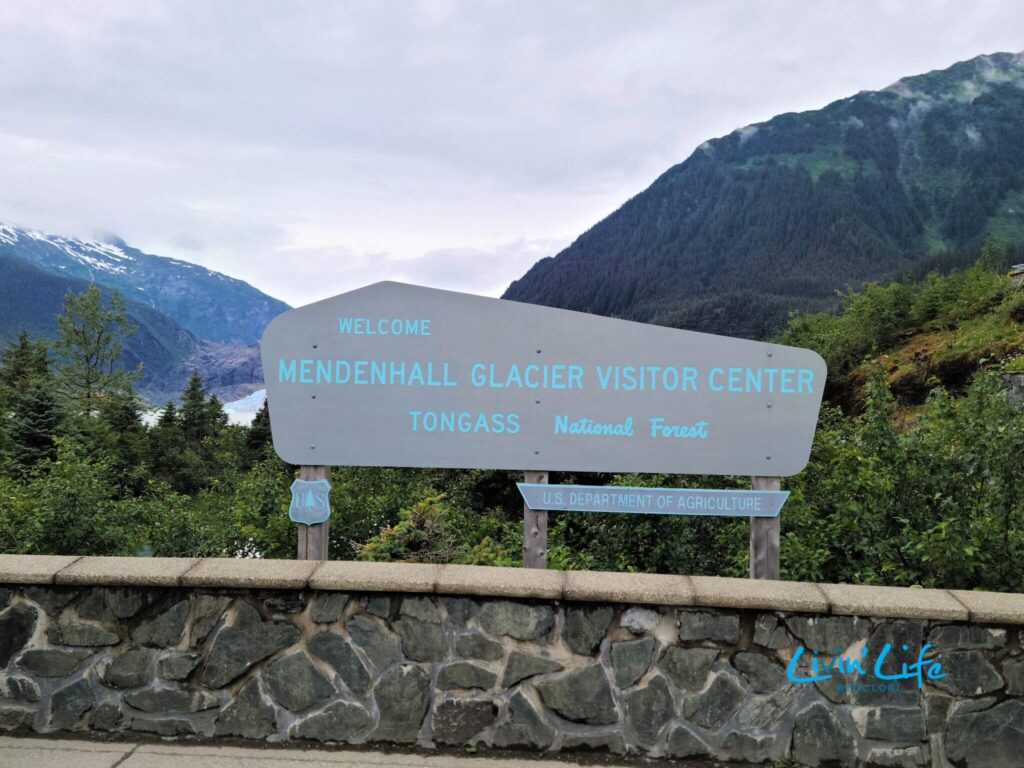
{"x":310,"y":502}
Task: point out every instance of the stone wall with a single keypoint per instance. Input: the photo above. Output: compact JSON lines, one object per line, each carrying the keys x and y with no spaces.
{"x":660,"y":666}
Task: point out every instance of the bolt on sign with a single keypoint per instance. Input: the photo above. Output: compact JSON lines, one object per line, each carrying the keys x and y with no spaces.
{"x":401,"y":375}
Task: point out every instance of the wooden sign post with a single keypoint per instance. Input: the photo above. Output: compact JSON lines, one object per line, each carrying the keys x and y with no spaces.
{"x":764,"y":535}
{"x":314,"y":539}
{"x":535,"y":528}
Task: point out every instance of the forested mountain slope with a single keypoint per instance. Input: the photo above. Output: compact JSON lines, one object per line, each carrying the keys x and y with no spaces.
{"x":777,"y":216}
{"x":31,"y":299}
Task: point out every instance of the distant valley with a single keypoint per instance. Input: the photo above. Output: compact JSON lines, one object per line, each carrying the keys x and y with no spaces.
{"x":188,"y":318}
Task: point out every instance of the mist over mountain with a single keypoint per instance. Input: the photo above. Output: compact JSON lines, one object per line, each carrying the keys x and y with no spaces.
{"x":778,"y":216}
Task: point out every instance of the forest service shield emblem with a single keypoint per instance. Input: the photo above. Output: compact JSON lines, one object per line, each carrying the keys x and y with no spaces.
{"x":310,"y":502}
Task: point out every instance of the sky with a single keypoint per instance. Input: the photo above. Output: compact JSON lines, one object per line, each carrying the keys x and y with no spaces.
{"x":313,"y":147}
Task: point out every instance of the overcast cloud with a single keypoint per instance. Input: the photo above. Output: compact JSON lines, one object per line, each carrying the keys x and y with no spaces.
{"x":312,"y":147}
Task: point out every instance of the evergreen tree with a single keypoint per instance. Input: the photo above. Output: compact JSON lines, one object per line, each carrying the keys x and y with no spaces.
{"x":33,"y":425}
{"x":257,"y":437}
{"x":194,"y":414}
{"x":23,"y":361}
{"x":166,"y":444}
{"x":89,"y":341}
{"x":125,"y":445}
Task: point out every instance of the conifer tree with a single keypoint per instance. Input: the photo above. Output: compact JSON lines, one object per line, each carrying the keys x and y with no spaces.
{"x":257,"y":437}
{"x":23,"y":361}
{"x":89,"y":343}
{"x":34,"y":422}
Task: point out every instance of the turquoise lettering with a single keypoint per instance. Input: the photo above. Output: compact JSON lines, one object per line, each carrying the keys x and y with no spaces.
{"x":286,"y":372}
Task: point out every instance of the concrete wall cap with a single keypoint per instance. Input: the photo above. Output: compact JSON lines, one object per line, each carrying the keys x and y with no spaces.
{"x":126,"y":571}
{"x":352,"y":576}
{"x":268,"y":574}
{"x":487,"y":580}
{"x":32,"y":569}
{"x":992,"y":607}
{"x":893,"y":602}
{"x":723,"y":592}
{"x":642,"y":588}
{"x":589,"y":586}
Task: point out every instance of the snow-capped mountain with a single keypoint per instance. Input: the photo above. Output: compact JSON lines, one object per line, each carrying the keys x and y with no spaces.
{"x":187,"y":317}
{"x":211,"y":305}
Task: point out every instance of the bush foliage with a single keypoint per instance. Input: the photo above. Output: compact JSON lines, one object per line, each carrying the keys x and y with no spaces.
{"x":896,"y":493}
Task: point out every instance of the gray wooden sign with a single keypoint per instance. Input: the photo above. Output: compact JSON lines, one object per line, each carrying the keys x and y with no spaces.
{"x":652,"y":501}
{"x":401,"y":375}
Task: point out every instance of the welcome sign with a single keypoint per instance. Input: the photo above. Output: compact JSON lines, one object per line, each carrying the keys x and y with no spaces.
{"x":401,"y":375}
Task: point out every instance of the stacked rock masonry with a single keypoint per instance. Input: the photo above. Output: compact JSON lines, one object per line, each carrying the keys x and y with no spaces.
{"x":436,"y":670}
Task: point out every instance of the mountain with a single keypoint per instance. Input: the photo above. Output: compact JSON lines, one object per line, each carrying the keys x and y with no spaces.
{"x":31,"y":298}
{"x":208,"y":304}
{"x":780,"y":215}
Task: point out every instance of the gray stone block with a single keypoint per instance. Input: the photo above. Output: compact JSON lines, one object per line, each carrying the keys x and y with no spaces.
{"x":19,"y":689}
{"x":968,"y":673}
{"x":402,"y":696}
{"x":518,"y":620}
{"x":177,"y":665}
{"x":164,"y":630}
{"x":715,"y":705}
{"x":581,"y":695}
{"x":421,"y":608}
{"x":819,"y":739}
{"x":649,"y":708}
{"x":688,"y":668}
{"x":763,"y":674}
{"x":338,"y":721}
{"x":465,"y":675}
{"x":769,"y":632}
{"x":81,"y":635}
{"x":1013,"y":672}
{"x":701,"y":626}
{"x":631,"y":659}
{"x":421,"y":640}
{"x":131,"y":669}
{"x":328,"y":607}
{"x":16,"y":627}
{"x":964,"y":637}
{"x":683,"y":742}
{"x":458,"y":722}
{"x":828,"y":633}
{"x":340,"y":654}
{"x":246,"y":642}
{"x":295,"y":684}
{"x":992,"y":738}
{"x":639,"y":620}
{"x":585,"y":628}
{"x":247,"y":715}
{"x":475,"y":645}
{"x":70,"y":704}
{"x":521,"y":666}
{"x":51,"y":663}
{"x":381,"y":647}
{"x":524,"y":727}
{"x":899,"y":724}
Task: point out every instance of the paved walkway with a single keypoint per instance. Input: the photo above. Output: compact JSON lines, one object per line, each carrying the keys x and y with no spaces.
{"x":70,"y":753}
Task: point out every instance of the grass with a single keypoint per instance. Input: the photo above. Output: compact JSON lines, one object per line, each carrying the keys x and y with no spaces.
{"x":816,"y":163}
